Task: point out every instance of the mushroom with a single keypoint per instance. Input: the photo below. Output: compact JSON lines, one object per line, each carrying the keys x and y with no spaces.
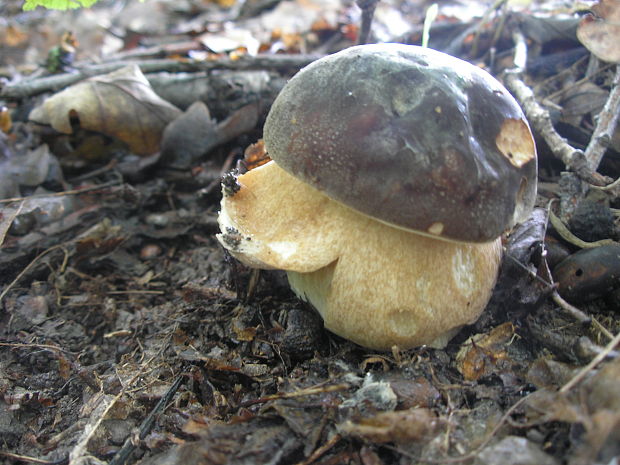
{"x":395,"y":171}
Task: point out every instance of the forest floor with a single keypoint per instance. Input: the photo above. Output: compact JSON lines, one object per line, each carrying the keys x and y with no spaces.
{"x":128,"y":334}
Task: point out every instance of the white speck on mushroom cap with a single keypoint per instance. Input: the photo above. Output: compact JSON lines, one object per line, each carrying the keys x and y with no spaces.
{"x":436,"y":229}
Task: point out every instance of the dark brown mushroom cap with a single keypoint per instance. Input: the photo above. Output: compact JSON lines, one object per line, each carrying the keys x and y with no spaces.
{"x":410,"y":136}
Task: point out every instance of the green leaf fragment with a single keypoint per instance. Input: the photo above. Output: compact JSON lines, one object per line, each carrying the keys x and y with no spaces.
{"x":58,"y":4}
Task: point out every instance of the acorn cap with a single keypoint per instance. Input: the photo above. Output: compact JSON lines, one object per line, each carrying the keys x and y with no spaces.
{"x":409,"y":136}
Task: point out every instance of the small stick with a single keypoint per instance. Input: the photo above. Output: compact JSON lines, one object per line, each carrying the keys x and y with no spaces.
{"x":63,"y":193}
{"x":25,"y":458}
{"x":36,"y":346}
{"x":136,"y":291}
{"x":301,"y":393}
{"x":321,"y":450}
{"x":368,"y":10}
{"x":129,"y":446}
{"x":570,"y":309}
{"x":605,"y":125}
{"x":554,"y":95}
{"x":28,"y":267}
{"x":540,"y":119}
{"x":28,"y":88}
{"x":486,"y":18}
{"x":9,"y":222}
{"x":590,"y":366}
{"x":609,"y":187}
{"x":602,"y":328}
{"x":569,"y":237}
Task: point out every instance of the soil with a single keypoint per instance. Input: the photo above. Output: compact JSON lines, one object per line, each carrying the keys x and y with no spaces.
{"x":129,"y":335}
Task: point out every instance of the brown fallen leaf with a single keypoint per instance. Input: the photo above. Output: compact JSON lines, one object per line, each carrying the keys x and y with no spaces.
{"x":255,"y":155}
{"x":5,"y":120}
{"x":121,"y":104}
{"x":402,"y":426}
{"x":479,"y":354}
{"x":600,"y":32}
{"x":595,"y":405}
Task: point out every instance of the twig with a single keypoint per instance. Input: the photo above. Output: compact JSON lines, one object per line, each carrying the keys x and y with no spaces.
{"x":486,"y":19}
{"x":605,"y":125}
{"x":27,"y":88}
{"x":25,"y":270}
{"x":156,"y":51}
{"x":10,"y":220}
{"x":609,"y":187}
{"x":569,"y":237}
{"x":597,"y":324}
{"x":25,"y":458}
{"x":590,"y":366}
{"x":136,"y":291}
{"x":321,"y":450}
{"x":368,"y":11}
{"x":63,"y":193}
{"x":540,"y":119}
{"x":570,"y":309}
{"x":129,"y":446}
{"x":485,"y":442}
{"x":573,"y":311}
{"x":36,"y":346}
{"x":301,"y":393}
{"x":94,"y":173}
{"x":574,"y":85}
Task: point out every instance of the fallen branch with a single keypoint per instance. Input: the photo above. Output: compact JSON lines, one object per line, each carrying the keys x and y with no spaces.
{"x":27,"y":88}
{"x":605,"y":125}
{"x":540,"y":120}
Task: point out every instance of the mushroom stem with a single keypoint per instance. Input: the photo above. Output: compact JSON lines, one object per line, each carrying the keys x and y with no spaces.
{"x":374,"y":284}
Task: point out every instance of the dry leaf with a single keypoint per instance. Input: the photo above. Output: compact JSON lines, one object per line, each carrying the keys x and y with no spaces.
{"x":229,"y":40}
{"x":255,"y":155}
{"x":14,"y":36}
{"x":600,"y":32}
{"x":30,"y":169}
{"x":581,"y":100}
{"x":64,"y":367}
{"x":403,"y":426}
{"x":479,"y":354}
{"x":121,"y":104}
{"x":514,"y":450}
{"x":418,"y":392}
{"x":5,"y":120}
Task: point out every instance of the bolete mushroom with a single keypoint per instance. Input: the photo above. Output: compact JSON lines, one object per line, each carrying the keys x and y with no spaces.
{"x":395,"y":170}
